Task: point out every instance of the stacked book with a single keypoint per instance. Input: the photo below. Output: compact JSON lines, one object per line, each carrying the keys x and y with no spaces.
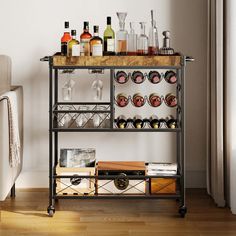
{"x":162,"y":169}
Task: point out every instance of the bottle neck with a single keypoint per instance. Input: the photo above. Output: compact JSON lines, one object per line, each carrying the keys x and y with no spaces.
{"x":122,"y":25}
{"x":86,"y":30}
{"x":95,"y":34}
{"x":73,"y":36}
{"x":143,"y":30}
{"x":108,"y":26}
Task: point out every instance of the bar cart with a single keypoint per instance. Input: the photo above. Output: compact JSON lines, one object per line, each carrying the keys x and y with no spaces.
{"x":112,"y":63}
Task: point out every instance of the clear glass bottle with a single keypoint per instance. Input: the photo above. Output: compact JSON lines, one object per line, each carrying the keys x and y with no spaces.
{"x":142,"y":41}
{"x":73,"y":45}
{"x":65,"y":39}
{"x":96,"y":44}
{"x":84,"y":40}
{"x":109,"y":39}
{"x":121,"y":35}
{"x":132,"y":40}
{"x":153,"y":42}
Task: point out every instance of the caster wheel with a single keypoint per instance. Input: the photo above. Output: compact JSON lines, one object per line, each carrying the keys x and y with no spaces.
{"x":182,"y":211}
{"x":51,"y":211}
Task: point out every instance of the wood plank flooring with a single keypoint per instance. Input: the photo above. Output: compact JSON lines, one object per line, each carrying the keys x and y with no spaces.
{"x":26,"y":215}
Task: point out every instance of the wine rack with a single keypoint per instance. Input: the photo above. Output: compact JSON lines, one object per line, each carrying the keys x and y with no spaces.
{"x":68,"y":117}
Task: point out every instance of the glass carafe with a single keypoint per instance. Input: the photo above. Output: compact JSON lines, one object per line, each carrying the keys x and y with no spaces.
{"x":121,"y":35}
{"x":153,"y":43}
{"x":132,"y":40}
{"x":142,"y":41}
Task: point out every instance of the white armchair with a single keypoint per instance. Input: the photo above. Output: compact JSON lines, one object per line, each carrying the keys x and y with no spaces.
{"x":8,"y":174}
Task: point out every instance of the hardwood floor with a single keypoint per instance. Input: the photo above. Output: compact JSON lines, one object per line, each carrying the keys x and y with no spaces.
{"x":26,"y":215}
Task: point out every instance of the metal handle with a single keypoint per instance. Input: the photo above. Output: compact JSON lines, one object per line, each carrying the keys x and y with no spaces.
{"x":189,"y":59}
{"x":44,"y":58}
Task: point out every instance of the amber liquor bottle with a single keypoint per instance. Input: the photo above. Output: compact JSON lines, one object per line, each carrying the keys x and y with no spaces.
{"x":96,"y":43}
{"x":84,"y":40}
{"x":65,"y":39}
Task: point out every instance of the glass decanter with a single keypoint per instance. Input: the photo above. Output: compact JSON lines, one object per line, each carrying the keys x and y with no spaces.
{"x":142,"y":41}
{"x":121,"y":35}
{"x":153,"y":43}
{"x":132,"y":40}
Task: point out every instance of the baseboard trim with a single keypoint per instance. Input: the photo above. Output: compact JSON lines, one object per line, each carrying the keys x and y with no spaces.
{"x":39,"y":179}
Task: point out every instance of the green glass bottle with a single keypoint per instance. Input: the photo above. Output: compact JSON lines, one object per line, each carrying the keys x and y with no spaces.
{"x":109,"y":39}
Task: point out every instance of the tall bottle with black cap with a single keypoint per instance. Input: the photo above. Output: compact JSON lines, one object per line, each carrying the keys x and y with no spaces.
{"x":84,"y":40}
{"x":109,"y":39}
{"x":96,"y":44}
{"x":65,"y":39}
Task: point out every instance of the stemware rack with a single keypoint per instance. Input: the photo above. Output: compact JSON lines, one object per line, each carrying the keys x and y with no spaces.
{"x":58,"y":110}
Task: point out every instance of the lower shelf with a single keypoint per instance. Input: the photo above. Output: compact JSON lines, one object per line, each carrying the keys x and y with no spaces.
{"x":119,"y":196}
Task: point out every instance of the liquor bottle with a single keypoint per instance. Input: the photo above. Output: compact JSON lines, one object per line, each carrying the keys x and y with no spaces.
{"x":109,"y":39}
{"x":73,"y":45}
{"x":121,"y":122}
{"x":132,"y":41}
{"x":171,"y":122}
{"x":138,"y":122}
{"x":65,"y":39}
{"x":121,"y":35}
{"x":142,"y":41}
{"x":84,"y":40}
{"x":153,"y":43}
{"x":154,"y":122}
{"x":96,"y":43}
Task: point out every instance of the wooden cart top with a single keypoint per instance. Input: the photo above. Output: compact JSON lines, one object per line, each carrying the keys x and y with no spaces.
{"x":117,"y":61}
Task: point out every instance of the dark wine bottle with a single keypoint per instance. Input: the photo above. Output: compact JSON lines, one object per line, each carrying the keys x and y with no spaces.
{"x":170,"y":77}
{"x":154,"y":77}
{"x":121,"y":122}
{"x":171,"y":122}
{"x":138,"y":122}
{"x":154,"y":122}
{"x":137,"y":77}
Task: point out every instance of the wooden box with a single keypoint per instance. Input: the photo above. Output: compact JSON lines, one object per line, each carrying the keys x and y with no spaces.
{"x":75,"y":185}
{"x":162,"y":185}
{"x":121,"y":184}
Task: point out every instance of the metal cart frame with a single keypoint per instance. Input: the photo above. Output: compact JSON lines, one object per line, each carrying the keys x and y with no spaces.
{"x":54,"y":133}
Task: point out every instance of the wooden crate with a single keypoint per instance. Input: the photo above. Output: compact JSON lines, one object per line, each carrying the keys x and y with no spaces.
{"x":162,"y":185}
{"x":116,"y":168}
{"x":75,"y":185}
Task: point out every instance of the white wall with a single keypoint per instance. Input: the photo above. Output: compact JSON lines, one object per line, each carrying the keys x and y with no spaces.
{"x":32,"y":29}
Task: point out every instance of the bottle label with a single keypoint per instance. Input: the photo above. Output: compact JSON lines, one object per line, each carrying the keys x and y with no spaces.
{"x":110,"y":45}
{"x":97,"y":50}
{"x":84,"y":47}
{"x":75,"y":50}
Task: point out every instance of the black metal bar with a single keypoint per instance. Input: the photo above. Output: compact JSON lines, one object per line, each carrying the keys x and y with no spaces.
{"x":136,"y":177}
{"x":55,"y":102}
{"x":51,"y":180}
{"x":82,"y":111}
{"x":13,"y":190}
{"x":114,"y":130}
{"x":112,"y":97}
{"x":125,"y":196}
{"x":115,"y":67}
{"x":84,"y":103}
{"x":182,"y":143}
